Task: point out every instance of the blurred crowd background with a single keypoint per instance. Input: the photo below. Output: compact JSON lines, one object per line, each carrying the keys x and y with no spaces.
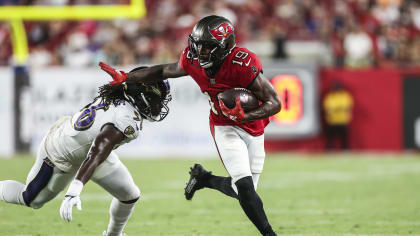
{"x":342,"y":33}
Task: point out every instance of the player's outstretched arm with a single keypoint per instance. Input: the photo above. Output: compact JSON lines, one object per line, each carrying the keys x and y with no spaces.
{"x":156,"y":73}
{"x":101,"y":147}
{"x":265,"y":92}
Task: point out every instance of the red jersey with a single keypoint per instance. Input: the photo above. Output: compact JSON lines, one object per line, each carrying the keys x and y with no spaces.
{"x":240,"y":68}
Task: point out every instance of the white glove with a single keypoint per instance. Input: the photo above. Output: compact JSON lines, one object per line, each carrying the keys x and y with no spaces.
{"x":71,"y":199}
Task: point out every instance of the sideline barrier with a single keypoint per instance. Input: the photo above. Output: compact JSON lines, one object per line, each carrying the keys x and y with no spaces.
{"x":386,"y":114}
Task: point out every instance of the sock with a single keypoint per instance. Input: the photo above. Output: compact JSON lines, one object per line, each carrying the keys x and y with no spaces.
{"x":222,"y":184}
{"x":11,"y":192}
{"x":255,"y":178}
{"x":252,"y":205}
{"x":120,"y":212}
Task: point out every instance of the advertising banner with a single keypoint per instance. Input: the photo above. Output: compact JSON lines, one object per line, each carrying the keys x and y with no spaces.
{"x":184,"y":133}
{"x":297,"y":87}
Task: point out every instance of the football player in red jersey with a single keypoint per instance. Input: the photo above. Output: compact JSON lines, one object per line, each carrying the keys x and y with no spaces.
{"x":216,"y":64}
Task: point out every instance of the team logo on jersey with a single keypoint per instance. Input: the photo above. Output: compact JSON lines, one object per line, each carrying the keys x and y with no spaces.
{"x":254,"y":69}
{"x":129,"y":130}
{"x":221,"y":31}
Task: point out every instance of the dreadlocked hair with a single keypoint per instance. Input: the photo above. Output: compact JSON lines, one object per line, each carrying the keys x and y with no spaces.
{"x":111,"y":94}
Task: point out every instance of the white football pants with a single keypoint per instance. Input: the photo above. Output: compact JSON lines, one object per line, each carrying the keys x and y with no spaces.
{"x":44,"y":181}
{"x":241,"y":153}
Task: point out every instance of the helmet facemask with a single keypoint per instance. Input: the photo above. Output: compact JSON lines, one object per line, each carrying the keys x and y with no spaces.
{"x":207,"y":53}
{"x":151,"y":101}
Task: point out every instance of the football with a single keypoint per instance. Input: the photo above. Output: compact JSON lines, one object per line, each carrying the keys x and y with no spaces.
{"x":248,"y":100}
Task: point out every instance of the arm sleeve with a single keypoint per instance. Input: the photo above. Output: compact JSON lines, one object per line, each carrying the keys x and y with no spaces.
{"x":249,"y":70}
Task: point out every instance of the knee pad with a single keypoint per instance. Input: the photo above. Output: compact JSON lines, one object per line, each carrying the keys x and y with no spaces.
{"x":131,"y":196}
{"x":257,"y":163}
{"x":131,"y":201}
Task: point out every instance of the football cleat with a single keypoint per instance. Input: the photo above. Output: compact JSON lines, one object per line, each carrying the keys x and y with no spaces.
{"x":105,"y":234}
{"x":197,"y":177}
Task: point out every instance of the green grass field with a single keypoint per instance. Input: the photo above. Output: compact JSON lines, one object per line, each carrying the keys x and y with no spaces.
{"x":344,"y":195}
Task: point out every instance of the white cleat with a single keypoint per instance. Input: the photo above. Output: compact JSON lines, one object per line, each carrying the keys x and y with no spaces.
{"x":105,"y":234}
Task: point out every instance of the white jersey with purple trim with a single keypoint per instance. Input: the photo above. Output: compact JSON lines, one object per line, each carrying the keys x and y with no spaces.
{"x":68,"y":141}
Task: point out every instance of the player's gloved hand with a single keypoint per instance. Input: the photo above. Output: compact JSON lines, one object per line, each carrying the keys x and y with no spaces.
{"x":236,"y":114}
{"x":117,"y":77}
{"x":71,"y":199}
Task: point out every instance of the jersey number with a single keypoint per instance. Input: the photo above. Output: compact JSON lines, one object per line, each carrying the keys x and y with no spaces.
{"x":86,"y":119}
{"x":241,"y":55}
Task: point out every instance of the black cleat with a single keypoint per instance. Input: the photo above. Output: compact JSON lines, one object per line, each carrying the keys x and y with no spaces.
{"x":197,"y":176}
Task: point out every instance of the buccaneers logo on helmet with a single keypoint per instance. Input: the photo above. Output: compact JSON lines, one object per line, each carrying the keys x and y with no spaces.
{"x":216,"y":35}
{"x":221,"y":31}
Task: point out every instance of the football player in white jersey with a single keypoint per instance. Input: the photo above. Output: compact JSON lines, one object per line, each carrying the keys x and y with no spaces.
{"x":80,"y":147}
